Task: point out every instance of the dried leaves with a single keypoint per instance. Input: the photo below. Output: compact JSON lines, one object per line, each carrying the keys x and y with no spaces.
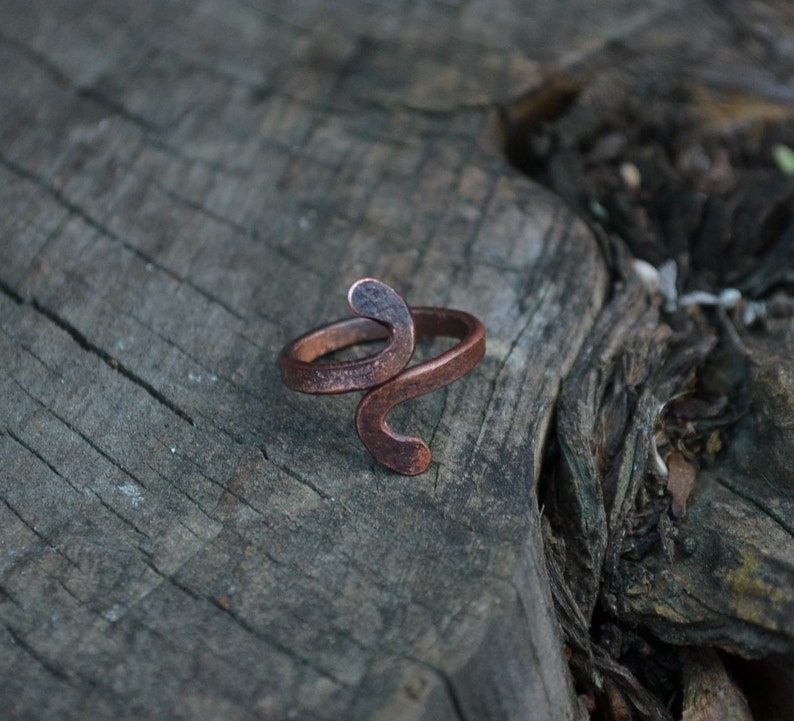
{"x":675,"y":167}
{"x":680,"y":482}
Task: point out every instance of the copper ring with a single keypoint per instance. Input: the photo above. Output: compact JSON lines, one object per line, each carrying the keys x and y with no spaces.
{"x":384,"y":316}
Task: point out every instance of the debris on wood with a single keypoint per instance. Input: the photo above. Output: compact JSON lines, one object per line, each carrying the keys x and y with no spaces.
{"x":668,"y":488}
{"x":680,"y":482}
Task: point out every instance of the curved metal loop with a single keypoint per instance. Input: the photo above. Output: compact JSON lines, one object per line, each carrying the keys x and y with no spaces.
{"x":410,"y":455}
{"x":385,"y":315}
{"x":389,"y":317}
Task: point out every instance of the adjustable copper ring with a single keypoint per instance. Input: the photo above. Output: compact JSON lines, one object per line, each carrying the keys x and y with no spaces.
{"x":384,"y":315}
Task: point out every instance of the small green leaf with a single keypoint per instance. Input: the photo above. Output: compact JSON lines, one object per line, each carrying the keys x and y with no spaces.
{"x":784,"y":158}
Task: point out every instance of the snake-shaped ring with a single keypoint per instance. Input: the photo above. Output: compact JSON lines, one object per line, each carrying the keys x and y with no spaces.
{"x":386,"y":375}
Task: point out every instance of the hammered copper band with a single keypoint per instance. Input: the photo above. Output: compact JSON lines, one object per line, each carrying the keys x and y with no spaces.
{"x":385,"y":316}
{"x":385,"y":374}
{"x":411,"y":455}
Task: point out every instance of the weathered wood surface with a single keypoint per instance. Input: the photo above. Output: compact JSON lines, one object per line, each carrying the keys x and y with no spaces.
{"x":184,"y":187}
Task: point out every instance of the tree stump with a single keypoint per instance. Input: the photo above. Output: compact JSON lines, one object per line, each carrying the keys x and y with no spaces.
{"x":186,"y":188}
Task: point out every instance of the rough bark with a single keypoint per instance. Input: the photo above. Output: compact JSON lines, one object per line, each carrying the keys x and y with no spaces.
{"x":668,"y":491}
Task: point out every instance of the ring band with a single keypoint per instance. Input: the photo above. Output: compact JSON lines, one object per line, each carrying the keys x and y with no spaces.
{"x":385,"y":315}
{"x":384,"y":374}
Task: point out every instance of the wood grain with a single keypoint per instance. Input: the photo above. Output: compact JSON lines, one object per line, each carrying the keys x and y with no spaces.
{"x":184,"y":189}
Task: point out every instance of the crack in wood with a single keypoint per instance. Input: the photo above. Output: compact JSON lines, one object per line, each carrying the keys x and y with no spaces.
{"x":10,"y":293}
{"x":126,"y":521}
{"x":232,"y":225}
{"x":755,"y":501}
{"x":39,"y":658}
{"x":496,"y":378}
{"x":136,"y":479}
{"x":88,"y":93}
{"x":116,"y":108}
{"x":302,"y":481}
{"x":41,"y":536}
{"x":92,"y":222}
{"x":41,"y":458}
{"x":37,"y":59}
{"x":249,"y":628}
{"x":113,"y":363}
{"x":222,"y":486}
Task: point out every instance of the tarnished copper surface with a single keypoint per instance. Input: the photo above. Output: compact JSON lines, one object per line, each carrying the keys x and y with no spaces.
{"x":384,"y":316}
{"x":389,"y":318}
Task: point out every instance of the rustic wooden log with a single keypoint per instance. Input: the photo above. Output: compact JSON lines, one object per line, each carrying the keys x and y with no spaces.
{"x":186,"y":188}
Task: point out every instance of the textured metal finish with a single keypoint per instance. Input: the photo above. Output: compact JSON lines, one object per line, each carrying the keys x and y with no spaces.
{"x":410,"y":454}
{"x":389,"y":318}
{"x":384,"y":316}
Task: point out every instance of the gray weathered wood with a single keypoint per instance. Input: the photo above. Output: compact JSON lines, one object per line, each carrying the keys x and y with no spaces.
{"x":185,"y":188}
